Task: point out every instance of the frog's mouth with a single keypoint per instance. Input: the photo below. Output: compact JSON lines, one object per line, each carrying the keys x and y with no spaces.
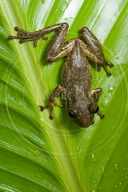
{"x":81,"y":124}
{"x":92,"y":122}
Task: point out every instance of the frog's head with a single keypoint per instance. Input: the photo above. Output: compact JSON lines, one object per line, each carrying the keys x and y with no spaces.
{"x":83,"y":114}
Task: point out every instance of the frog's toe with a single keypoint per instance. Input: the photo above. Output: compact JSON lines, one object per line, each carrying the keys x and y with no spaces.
{"x":107,"y":71}
{"x":98,"y":68}
{"x":42,"y":107}
{"x":101,"y":115}
{"x":109,"y":74}
{"x":109,"y":64}
{"x":45,"y":38}
{"x":51,"y":117}
{"x":16,"y":28}
{"x":10,"y":37}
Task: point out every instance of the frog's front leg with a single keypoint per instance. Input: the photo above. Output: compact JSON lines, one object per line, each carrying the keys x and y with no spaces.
{"x":35,"y":36}
{"x":95,"y":93}
{"x":96,"y":48}
{"x":52,"y":102}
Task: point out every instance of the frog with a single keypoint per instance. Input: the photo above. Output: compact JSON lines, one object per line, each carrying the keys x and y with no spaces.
{"x":81,"y":101}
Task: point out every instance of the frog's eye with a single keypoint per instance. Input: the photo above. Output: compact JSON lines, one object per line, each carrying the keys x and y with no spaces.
{"x":72,"y":114}
{"x":93,"y":108}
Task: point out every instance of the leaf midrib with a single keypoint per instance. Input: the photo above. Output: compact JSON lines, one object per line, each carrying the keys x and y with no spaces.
{"x":59,"y":145}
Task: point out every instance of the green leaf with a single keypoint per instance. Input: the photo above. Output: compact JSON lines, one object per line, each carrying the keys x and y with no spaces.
{"x":37,"y":154}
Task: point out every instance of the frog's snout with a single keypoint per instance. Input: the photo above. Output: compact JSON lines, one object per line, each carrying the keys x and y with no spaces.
{"x":84,"y":121}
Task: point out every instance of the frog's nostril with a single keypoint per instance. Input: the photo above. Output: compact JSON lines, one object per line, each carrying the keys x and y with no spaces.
{"x":81,"y":125}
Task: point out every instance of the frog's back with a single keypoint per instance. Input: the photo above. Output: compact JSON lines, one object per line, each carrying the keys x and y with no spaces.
{"x":76,"y":74}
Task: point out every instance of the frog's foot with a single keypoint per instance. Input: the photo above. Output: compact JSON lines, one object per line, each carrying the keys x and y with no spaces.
{"x":105,"y":68}
{"x":28,"y":36}
{"x":51,"y":105}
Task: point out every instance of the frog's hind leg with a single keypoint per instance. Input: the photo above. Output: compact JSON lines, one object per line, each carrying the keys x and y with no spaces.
{"x":96,"y":49}
{"x":36,"y":35}
{"x":58,"y":47}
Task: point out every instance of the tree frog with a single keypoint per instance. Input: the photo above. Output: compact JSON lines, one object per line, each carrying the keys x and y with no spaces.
{"x":81,"y":101}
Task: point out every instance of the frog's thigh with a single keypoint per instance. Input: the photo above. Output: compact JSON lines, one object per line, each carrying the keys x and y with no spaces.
{"x":58,"y":41}
{"x":96,"y":94}
{"x":65,"y":50}
{"x":93,"y":43}
{"x":89,"y":54}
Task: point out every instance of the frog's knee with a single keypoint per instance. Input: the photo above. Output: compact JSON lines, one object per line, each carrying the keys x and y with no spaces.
{"x":66,"y":25}
{"x":49,"y":58}
{"x":85,"y":29}
{"x":76,"y":39}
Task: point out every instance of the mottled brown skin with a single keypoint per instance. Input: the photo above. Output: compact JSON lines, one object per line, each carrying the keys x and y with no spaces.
{"x":76,"y":79}
{"x":81,"y":102}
